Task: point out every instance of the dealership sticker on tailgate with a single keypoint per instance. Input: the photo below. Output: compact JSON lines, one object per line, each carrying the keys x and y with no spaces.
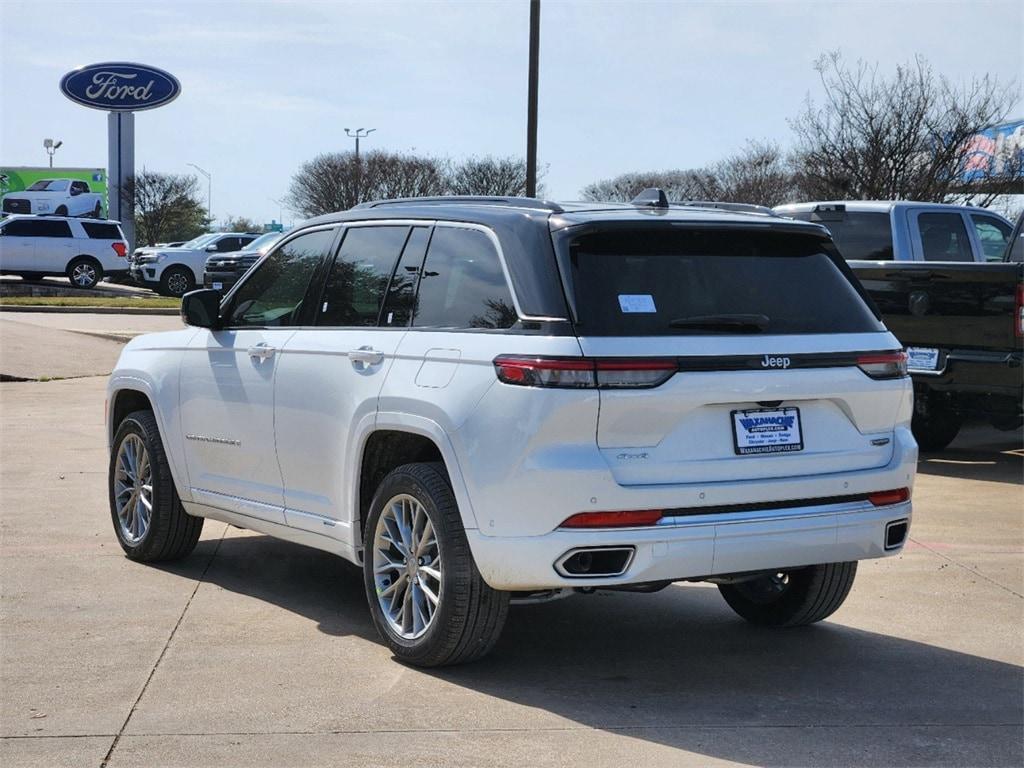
{"x":922,"y":358}
{"x":767,"y":430}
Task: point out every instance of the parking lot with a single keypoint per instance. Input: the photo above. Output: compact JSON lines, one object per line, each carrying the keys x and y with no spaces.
{"x":258,"y":652}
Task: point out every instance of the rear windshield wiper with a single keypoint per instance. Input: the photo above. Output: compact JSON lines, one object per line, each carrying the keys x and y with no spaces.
{"x":735,"y":322}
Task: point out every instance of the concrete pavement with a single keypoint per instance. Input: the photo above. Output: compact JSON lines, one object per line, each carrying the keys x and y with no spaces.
{"x":256,"y":652}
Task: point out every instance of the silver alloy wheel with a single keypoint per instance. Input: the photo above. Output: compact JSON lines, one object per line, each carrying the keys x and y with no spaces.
{"x":84,"y":274}
{"x":407,"y":567}
{"x":177,"y":284}
{"x":133,"y":489}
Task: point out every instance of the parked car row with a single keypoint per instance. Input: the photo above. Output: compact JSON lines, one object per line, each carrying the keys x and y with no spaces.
{"x":88,"y":250}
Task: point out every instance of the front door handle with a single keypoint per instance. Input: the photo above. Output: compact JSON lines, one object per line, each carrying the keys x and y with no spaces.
{"x":367,"y":355}
{"x":261,"y":351}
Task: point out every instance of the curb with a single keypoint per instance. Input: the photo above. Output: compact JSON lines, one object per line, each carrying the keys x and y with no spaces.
{"x":90,"y":310}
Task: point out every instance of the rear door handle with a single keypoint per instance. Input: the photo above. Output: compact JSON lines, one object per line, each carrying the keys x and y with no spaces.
{"x":367,"y":355}
{"x":261,"y":351}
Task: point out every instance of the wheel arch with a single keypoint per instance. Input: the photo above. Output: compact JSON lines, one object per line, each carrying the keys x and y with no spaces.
{"x":127,"y":394}
{"x":391,"y":440}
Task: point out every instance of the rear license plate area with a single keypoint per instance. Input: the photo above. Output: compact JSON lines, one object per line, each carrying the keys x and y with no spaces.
{"x":760,"y":431}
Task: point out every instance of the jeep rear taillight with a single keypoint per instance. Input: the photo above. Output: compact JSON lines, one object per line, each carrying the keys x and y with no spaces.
{"x":584,"y":372}
{"x":884,"y":365}
{"x":120,"y":249}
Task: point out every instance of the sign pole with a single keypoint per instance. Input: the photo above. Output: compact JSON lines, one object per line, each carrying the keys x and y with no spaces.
{"x":121,"y":164}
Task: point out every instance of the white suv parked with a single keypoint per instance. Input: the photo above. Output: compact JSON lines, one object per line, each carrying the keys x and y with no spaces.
{"x":481,"y":400}
{"x":85,"y":250}
{"x":176,"y":271}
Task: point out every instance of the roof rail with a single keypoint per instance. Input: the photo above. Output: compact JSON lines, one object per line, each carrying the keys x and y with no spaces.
{"x":741,"y":207}
{"x":516,"y":202}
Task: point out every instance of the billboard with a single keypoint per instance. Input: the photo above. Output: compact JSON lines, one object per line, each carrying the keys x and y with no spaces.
{"x":62,"y":191}
{"x":996,"y":151}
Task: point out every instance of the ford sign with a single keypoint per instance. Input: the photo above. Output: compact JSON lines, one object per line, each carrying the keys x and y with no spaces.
{"x":119,"y":86}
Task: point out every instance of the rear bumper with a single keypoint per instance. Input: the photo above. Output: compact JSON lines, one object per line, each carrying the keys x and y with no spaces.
{"x":700,"y":547}
{"x":982,"y":372}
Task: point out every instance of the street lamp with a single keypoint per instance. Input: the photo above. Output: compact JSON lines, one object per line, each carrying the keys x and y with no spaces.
{"x":360,"y":133}
{"x":209,"y":189}
{"x":280,"y":210}
{"x":51,"y":146}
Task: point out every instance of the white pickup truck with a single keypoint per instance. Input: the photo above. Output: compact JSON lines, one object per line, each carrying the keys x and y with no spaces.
{"x":61,"y":197}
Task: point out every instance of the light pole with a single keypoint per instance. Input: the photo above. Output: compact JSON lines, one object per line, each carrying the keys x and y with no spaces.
{"x":531,"y":101}
{"x":280,"y":210}
{"x":209,"y":190}
{"x":51,"y":146}
{"x":360,"y":133}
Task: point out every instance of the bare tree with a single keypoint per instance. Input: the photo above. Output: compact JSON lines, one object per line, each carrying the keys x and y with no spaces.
{"x":502,"y":176}
{"x":337,"y":181}
{"x":907,"y":136}
{"x":239,"y":224}
{"x":758,"y":174}
{"x":167,"y":206}
{"x":698,"y":184}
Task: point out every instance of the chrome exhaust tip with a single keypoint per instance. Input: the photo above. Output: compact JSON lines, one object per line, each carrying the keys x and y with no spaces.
{"x":594,"y":562}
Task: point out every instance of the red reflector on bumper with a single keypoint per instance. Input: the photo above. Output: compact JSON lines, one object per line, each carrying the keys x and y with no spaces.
{"x":885,"y":498}
{"x":626,"y":519}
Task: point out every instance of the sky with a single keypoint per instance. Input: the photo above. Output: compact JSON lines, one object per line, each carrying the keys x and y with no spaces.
{"x":624,"y":86}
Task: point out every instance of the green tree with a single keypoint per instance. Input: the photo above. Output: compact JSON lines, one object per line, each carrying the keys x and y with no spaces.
{"x":167,"y":206}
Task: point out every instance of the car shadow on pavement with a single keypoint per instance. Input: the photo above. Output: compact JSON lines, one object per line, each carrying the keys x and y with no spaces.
{"x":679,"y":669}
{"x":318,"y":585}
{"x":980,"y":453}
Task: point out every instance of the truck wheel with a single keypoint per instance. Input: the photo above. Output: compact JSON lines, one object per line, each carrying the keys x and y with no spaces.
{"x":84,"y":272}
{"x":934,"y":424}
{"x":427,"y":598}
{"x":176,"y":282}
{"x":150,"y":523}
{"x":791,"y":598}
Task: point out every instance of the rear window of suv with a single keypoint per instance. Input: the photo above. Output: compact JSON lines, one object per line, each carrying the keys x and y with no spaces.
{"x":98,"y":231}
{"x":659,"y":281}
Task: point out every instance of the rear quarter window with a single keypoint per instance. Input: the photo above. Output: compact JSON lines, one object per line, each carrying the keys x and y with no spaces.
{"x":660,"y":281}
{"x":102,"y":231}
{"x":857,"y":235}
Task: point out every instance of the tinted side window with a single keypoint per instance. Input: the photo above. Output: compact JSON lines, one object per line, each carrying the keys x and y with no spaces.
{"x":944,"y":237}
{"x":359,"y":277}
{"x":993,"y":234}
{"x":19,"y":228}
{"x":227,"y":244}
{"x":857,"y":235}
{"x":463,"y":284}
{"x":274,"y":293}
{"x":401,"y":299}
{"x":102,"y":231}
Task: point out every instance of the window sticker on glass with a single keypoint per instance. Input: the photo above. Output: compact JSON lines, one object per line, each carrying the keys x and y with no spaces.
{"x":636,"y":302}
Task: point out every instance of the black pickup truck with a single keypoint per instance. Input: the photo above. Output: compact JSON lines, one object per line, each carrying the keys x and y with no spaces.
{"x":963,"y":327}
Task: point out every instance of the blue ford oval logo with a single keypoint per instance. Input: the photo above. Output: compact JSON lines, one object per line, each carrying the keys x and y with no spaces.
{"x":119,"y":86}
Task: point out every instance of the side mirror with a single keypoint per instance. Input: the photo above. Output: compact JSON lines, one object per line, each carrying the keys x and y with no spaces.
{"x":201,"y":308}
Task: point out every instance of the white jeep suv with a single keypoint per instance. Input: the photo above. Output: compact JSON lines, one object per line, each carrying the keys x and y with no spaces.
{"x":480,"y":400}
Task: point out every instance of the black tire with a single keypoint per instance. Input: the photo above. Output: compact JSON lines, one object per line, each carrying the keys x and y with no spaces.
{"x":172,"y":533}
{"x":470,"y":615}
{"x":62,"y":210}
{"x":84,"y":272}
{"x":791,"y":598}
{"x":176,"y":282}
{"x":935,"y":424}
